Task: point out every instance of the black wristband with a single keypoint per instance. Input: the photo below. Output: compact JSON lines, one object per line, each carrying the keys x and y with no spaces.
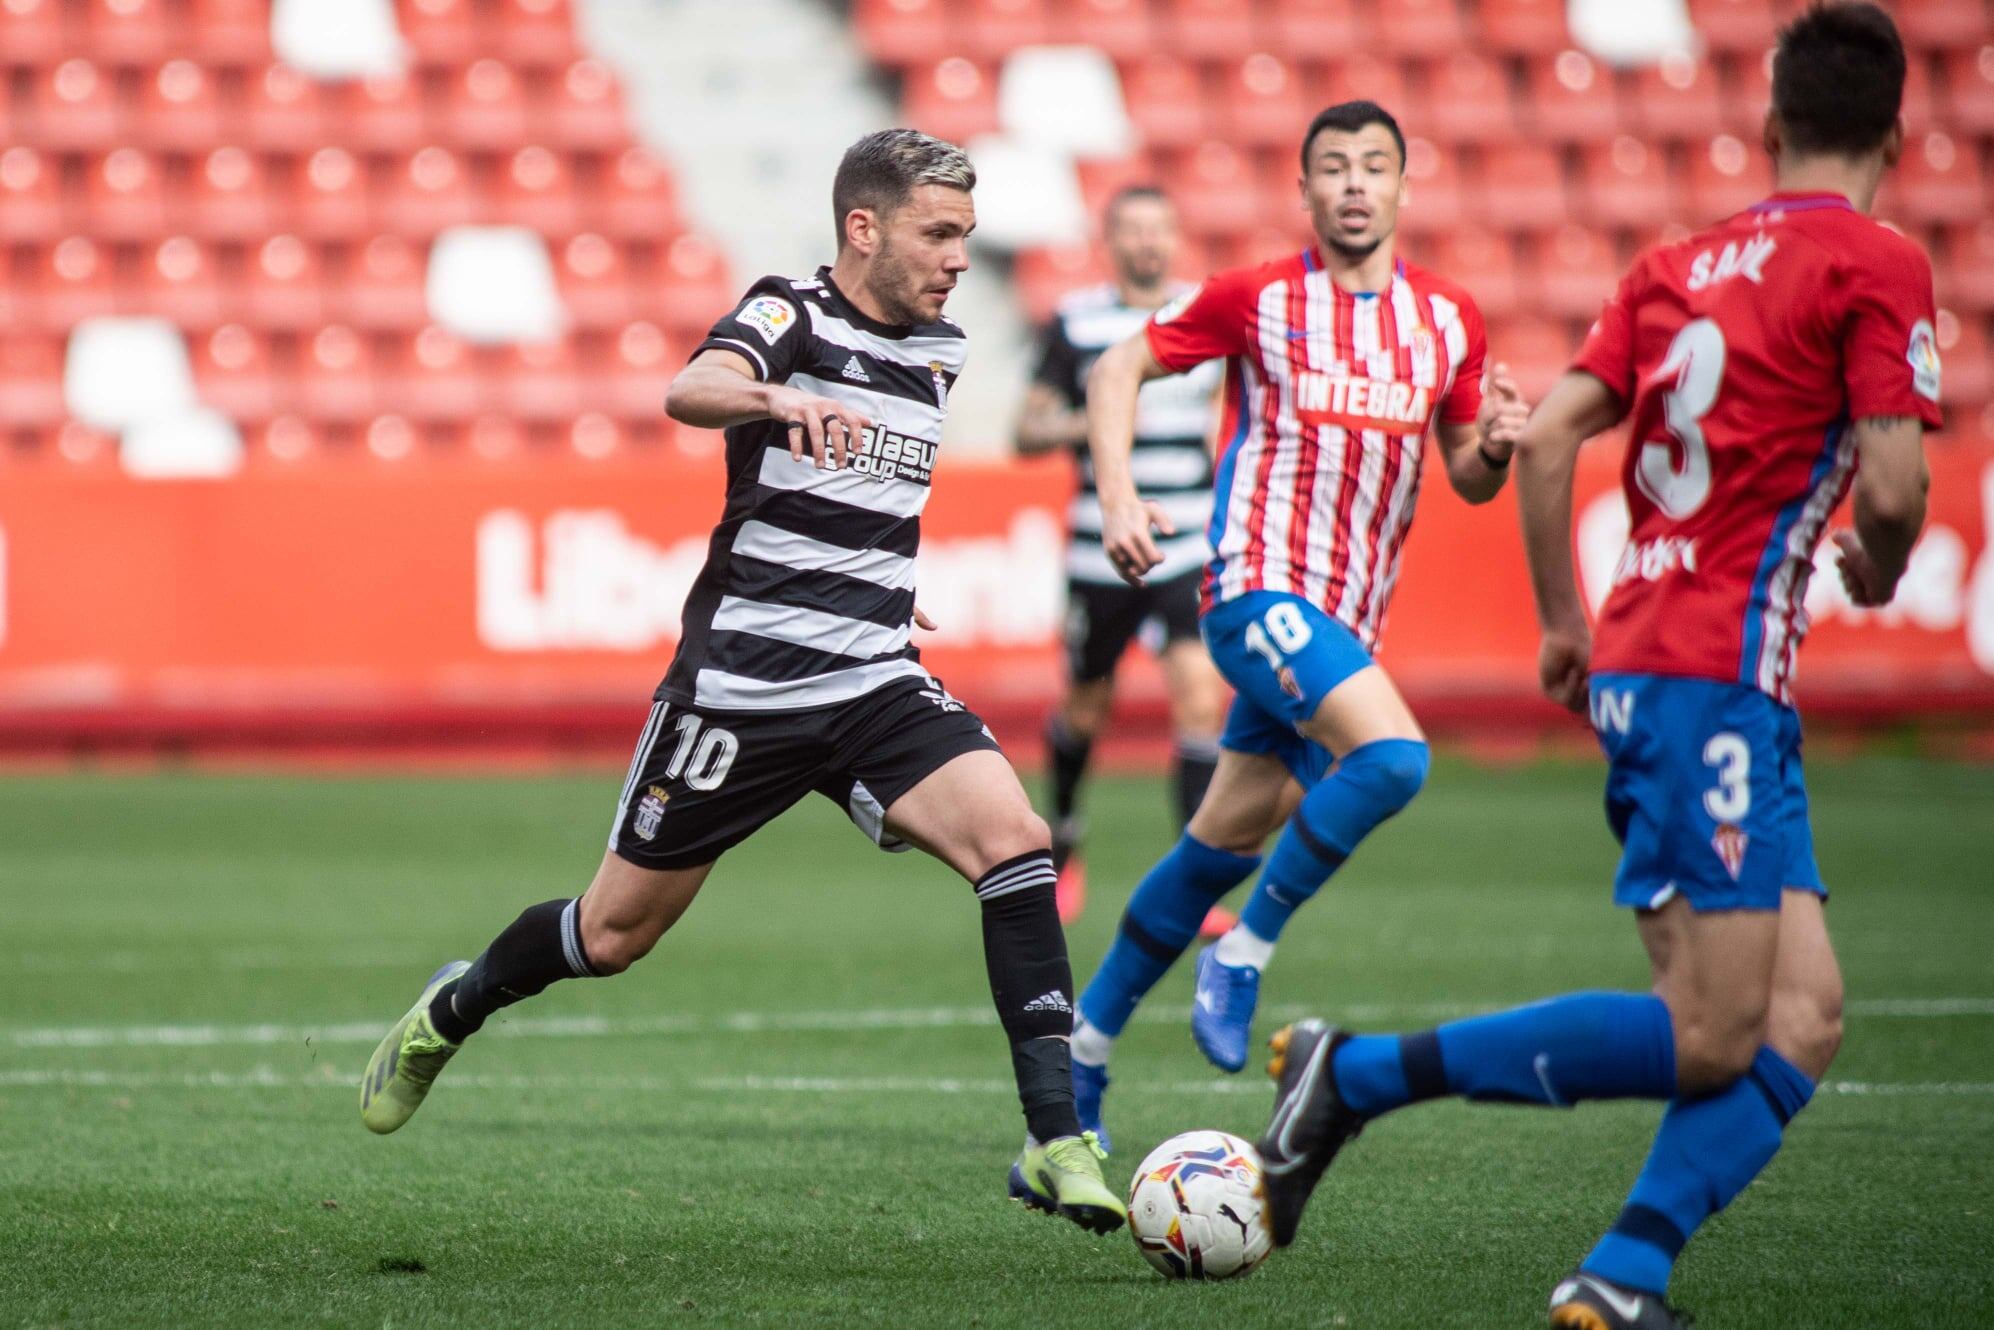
{"x":1490,"y":462}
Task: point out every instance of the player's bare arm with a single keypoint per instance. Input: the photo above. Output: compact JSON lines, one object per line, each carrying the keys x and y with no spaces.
{"x":719,"y":389}
{"x":1546,"y":452}
{"x":1477,"y":452}
{"x":1126,"y":521}
{"x":1048,"y":424}
{"x":1890,"y":488}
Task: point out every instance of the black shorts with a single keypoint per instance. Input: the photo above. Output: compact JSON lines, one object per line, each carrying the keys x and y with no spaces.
{"x":703,"y":781}
{"x":1102,"y":618}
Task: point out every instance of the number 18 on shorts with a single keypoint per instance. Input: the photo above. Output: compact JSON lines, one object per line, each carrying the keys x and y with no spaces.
{"x":1704,"y":792}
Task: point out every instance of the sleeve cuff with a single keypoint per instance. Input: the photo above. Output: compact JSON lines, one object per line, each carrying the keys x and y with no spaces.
{"x":739,"y":348}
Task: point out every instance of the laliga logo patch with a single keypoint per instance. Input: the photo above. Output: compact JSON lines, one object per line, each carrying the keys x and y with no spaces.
{"x":768,"y":316}
{"x":650,"y":812}
{"x":1923,"y":357}
{"x":1730,"y":842}
{"x":1177,"y":306}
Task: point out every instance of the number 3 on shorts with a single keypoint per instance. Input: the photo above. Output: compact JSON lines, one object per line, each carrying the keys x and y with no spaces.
{"x":1285,"y":632}
{"x":1731,"y":801}
{"x":711,"y":756}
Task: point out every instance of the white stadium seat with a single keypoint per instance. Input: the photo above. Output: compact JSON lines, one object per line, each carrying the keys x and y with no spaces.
{"x":494,"y":284}
{"x":338,"y":39}
{"x":122,"y":372}
{"x":1026,"y":195}
{"x":1067,"y":98}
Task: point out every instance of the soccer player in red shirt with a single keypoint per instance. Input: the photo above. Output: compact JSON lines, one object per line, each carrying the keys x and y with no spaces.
{"x":1763,"y":365}
{"x":1339,"y":361}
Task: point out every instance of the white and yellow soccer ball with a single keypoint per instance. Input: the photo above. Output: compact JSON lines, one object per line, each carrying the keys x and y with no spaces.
{"x":1195,"y":1207}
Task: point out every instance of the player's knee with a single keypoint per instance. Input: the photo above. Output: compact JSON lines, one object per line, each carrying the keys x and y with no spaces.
{"x":614,"y":947}
{"x":1714,"y":1050}
{"x":1392,"y":770}
{"x":1806,"y":1025}
{"x":1018,"y":830}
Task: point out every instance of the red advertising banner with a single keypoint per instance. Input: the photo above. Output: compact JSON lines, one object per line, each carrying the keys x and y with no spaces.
{"x":428,"y":585}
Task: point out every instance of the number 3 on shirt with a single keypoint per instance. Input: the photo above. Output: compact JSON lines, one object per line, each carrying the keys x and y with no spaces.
{"x":1696,"y":359}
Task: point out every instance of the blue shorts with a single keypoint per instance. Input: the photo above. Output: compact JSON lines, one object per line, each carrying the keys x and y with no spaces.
{"x":1282,"y":656}
{"x":1704,"y":791}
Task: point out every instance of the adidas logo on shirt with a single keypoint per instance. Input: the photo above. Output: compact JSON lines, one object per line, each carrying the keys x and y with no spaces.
{"x":1053,"y":1001}
{"x":856,"y":372}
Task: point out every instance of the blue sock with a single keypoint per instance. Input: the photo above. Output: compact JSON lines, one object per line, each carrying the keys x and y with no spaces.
{"x":1162,"y":918}
{"x":1369,"y":785}
{"x":1555,"y":1052}
{"x":1707,"y":1149}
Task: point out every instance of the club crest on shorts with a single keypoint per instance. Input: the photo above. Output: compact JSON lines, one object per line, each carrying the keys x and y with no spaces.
{"x":1730,"y":842}
{"x":650,"y":812}
{"x":1289,"y":683}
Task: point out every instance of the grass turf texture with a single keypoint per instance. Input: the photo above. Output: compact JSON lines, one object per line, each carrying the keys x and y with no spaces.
{"x":638,"y":1152}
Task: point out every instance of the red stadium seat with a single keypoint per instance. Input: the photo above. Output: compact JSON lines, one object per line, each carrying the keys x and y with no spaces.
{"x":282,"y":111}
{"x":384,"y":115}
{"x":228,"y":198}
{"x":1121,"y":28}
{"x":1421,"y":28}
{"x":1625,"y":183}
{"x":76,"y":282}
{"x":1264,"y":244}
{"x":1571,"y":99}
{"x":1941,"y":25}
{"x":233,"y":32}
{"x":1215,"y":29}
{"x":1575,"y":271}
{"x":286,"y":440}
{"x":953,"y":99}
{"x":1481,"y":261}
{"x":32,"y":207}
{"x":124,"y":197}
{"x":584,"y":112}
{"x":35,"y":32}
{"x":442,"y":32}
{"x":384,"y":289}
{"x":1436,"y":200}
{"x":1043,"y":276}
{"x":900,"y":33}
{"x":1678,"y":100}
{"x":331,"y":199}
{"x":485,"y":109}
{"x":540,"y":381}
{"x":79,"y":446}
{"x":1970,"y":267}
{"x":1468,"y":101}
{"x":537,"y":190}
{"x":1537,"y":352}
{"x":1367,"y":77}
{"x":595,"y":435}
{"x":639,"y":370}
{"x":1261,"y":103}
{"x":1214,"y":190}
{"x":995,"y":28}
{"x":73,"y":107}
{"x":1523,"y":187}
{"x":1939,"y":180}
{"x":284,"y":287}
{"x":1967,"y":380}
{"x":336,"y":376}
{"x":392,"y":438}
{"x":1735,"y":25}
{"x":595,"y":282}
{"x":434,"y":376}
{"x":179,"y":109}
{"x":695,"y":284}
{"x":492,"y":436}
{"x":1317,"y":29}
{"x":180,"y":282}
{"x":1100,"y":181}
{"x":1725,"y":177}
{"x":537,"y":33}
{"x":130,"y":32}
{"x":1523,"y":27}
{"x":234,"y":374}
{"x":1970,"y":89}
{"x":427,"y":192}
{"x":636,"y":199}
{"x":31,"y":380}
{"x":1166,"y":102}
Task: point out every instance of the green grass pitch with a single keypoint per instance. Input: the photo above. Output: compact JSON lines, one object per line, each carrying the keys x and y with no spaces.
{"x":797,"y":1111}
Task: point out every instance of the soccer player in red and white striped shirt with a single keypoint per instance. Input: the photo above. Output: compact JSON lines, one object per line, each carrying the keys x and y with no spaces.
{"x":1340,"y":361}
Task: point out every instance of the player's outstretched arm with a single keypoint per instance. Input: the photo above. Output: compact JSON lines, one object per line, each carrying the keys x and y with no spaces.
{"x":1577,"y":407}
{"x":1477,"y":452}
{"x":1126,"y":520}
{"x":719,"y":389}
{"x":1890,"y":487}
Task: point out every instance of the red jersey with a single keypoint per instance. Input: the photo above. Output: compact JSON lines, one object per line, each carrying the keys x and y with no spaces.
{"x":1742,"y":354}
{"x":1327,"y":401}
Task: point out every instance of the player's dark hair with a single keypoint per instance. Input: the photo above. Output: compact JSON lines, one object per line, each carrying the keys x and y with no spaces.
{"x":1838,"y":79}
{"x":1349,"y":117}
{"x":1131,"y":194}
{"x":881,"y":170}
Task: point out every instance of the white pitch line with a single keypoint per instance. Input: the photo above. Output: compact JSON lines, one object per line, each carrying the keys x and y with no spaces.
{"x":767,"y":1022}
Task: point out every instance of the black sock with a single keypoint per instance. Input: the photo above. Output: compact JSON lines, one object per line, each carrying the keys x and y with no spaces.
{"x":1192,"y":763}
{"x":1067,"y":754}
{"x":1032,"y":985}
{"x":541,"y":946}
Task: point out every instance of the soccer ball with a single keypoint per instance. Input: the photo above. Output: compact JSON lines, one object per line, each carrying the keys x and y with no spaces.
{"x":1195,"y":1207}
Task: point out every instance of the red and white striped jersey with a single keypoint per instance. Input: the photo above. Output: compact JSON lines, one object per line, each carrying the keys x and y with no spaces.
{"x":1327,"y":402}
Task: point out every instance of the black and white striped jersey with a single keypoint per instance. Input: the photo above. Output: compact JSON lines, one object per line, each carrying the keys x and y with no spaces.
{"x":1171,"y":462}
{"x":807,"y":596}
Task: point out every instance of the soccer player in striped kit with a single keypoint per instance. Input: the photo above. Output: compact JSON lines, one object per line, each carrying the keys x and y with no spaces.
{"x":1339,"y":361}
{"x":795,"y":671}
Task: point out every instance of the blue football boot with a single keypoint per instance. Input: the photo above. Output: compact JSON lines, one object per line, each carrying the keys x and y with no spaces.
{"x":1222,"y":1011}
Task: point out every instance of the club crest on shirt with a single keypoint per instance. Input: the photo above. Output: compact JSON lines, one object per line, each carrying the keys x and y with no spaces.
{"x":1177,"y":306}
{"x":941,"y":384}
{"x":1730,"y":841}
{"x":1923,"y":355}
{"x":767,"y":315}
{"x":650,"y":812}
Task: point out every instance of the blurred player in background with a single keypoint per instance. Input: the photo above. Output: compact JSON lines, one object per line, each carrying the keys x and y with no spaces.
{"x":1338,"y":363}
{"x":1172,"y":467}
{"x":1763,"y":363}
{"x":795,"y":672}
